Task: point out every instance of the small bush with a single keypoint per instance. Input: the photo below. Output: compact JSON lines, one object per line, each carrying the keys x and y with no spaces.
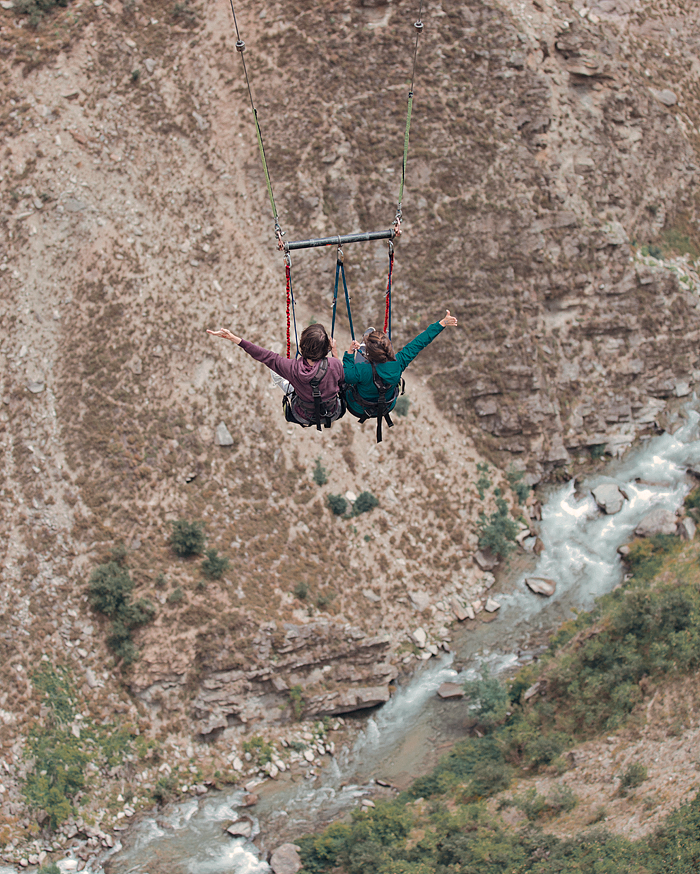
{"x":632,"y":777}
{"x":37,"y":9}
{"x":320,"y":474}
{"x":260,"y":749}
{"x":401,"y":406}
{"x":297,"y":701}
{"x":498,"y":531}
{"x":597,"y":451}
{"x":187,"y":538}
{"x":176,"y":596}
{"x":489,"y":698}
{"x":515,"y":480}
{"x":364,"y":503}
{"x":545,"y":748}
{"x":692,"y":499}
{"x":51,"y":868}
{"x":135,"y":75}
{"x":214,"y":565}
{"x":109,"y":591}
{"x":301,"y":590}
{"x":483,"y":482}
{"x":337,"y":504}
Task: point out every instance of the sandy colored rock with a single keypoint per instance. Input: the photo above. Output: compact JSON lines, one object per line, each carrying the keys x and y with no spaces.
{"x":450,"y":690}
{"x":657,"y":522}
{"x":285,"y":859}
{"x":541,"y":585}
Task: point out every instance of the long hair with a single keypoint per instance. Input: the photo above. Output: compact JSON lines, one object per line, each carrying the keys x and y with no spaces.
{"x":379,"y":348}
{"x":314,"y":343}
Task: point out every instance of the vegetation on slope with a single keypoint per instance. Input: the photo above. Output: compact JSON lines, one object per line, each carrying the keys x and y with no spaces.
{"x":589,"y":682}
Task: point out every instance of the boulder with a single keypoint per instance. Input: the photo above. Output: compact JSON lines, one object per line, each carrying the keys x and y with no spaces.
{"x":250,"y":799}
{"x":242,"y":828}
{"x":223,"y":435}
{"x":419,"y":636}
{"x":459,"y":611}
{"x":285,"y":859}
{"x":657,"y":522}
{"x":686,"y":528}
{"x":492,"y":606}
{"x":486,"y":559}
{"x":541,"y":585}
{"x":450,"y":690}
{"x":609,"y":498}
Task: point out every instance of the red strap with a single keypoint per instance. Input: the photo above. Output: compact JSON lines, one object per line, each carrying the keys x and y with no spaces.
{"x":388,"y":292}
{"x":288,"y":271}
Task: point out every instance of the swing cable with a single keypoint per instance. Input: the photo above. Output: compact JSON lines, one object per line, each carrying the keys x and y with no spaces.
{"x":399,"y":215}
{"x":240,"y":48}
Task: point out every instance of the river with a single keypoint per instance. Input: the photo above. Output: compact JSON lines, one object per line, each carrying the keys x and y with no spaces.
{"x":406,"y":736}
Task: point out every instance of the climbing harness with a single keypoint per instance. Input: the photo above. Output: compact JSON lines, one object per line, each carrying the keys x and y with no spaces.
{"x":380,"y":408}
{"x":322,"y":412}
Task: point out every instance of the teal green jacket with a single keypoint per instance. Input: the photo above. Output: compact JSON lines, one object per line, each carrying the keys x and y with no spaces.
{"x":360,"y":375}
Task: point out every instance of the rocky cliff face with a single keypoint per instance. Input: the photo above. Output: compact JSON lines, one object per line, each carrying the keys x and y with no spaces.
{"x":551,"y":203}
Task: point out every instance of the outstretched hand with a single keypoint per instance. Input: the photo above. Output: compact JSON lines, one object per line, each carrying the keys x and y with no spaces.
{"x":225,"y":334}
{"x":354,"y":346}
{"x":448,"y":320}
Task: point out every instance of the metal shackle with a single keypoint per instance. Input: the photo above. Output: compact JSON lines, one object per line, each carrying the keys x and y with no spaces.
{"x":418,"y":25}
{"x":240,"y":45}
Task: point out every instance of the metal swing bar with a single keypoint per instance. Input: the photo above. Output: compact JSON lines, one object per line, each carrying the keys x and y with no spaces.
{"x":364,"y":237}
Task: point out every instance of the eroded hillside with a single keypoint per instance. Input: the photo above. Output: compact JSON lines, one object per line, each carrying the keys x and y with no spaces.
{"x":552,"y":154}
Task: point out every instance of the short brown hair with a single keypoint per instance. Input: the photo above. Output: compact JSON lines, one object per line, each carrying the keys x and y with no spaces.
{"x":379,"y":348}
{"x":314,"y":343}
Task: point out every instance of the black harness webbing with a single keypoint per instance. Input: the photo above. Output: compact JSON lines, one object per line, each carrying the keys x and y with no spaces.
{"x":378,"y":409}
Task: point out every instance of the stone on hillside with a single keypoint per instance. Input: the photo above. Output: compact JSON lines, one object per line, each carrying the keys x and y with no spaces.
{"x":492,"y":606}
{"x":686,"y":528}
{"x":541,"y":585}
{"x":421,"y":600}
{"x":609,"y":498}
{"x":309,"y":756}
{"x":666,"y":96}
{"x":371,"y":596}
{"x":486,"y":559}
{"x":451,"y":690}
{"x":35,"y":387}
{"x":223,"y":435}
{"x":285,"y":859}
{"x":250,"y":799}
{"x":149,"y":64}
{"x":477,"y":607}
{"x":681,"y":389}
{"x":419,"y":636}
{"x":459,"y":611}
{"x":432,"y":649}
{"x":657,"y":522}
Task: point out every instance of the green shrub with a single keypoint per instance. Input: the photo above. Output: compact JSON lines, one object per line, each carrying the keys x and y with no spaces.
{"x":176,"y":595}
{"x":692,"y":499}
{"x":51,"y":868}
{"x":401,"y":406}
{"x":498,"y":531}
{"x":301,"y":590}
{"x":187,"y":538}
{"x":483,"y":483}
{"x":632,"y":777}
{"x":364,"y":503}
{"x":544,"y":749}
{"x":297,"y":701}
{"x":320,"y":474}
{"x":214,"y":565}
{"x":646,"y":555}
{"x":515,"y":480}
{"x":109,"y":592}
{"x":489,"y":700}
{"x":259,"y":748}
{"x":37,"y":9}
{"x":337,"y":504}
{"x":110,"y":588}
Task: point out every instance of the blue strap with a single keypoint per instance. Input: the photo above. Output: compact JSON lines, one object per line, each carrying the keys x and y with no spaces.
{"x":347,"y":299}
{"x":335,"y":295}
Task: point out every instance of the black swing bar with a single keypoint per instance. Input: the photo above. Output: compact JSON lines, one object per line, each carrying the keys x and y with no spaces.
{"x":365,"y":237}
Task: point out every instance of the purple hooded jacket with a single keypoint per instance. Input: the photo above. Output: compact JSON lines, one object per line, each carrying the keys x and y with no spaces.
{"x":299,"y":373}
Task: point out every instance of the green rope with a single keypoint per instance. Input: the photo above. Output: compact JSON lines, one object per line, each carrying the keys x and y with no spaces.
{"x":405,"y":145}
{"x":240,"y":47}
{"x":264,"y":163}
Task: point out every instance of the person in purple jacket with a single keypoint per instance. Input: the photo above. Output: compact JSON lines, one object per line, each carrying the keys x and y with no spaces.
{"x":313,"y":391}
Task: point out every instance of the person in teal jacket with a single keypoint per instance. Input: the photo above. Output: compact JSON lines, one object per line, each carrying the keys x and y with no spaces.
{"x":378,"y":351}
